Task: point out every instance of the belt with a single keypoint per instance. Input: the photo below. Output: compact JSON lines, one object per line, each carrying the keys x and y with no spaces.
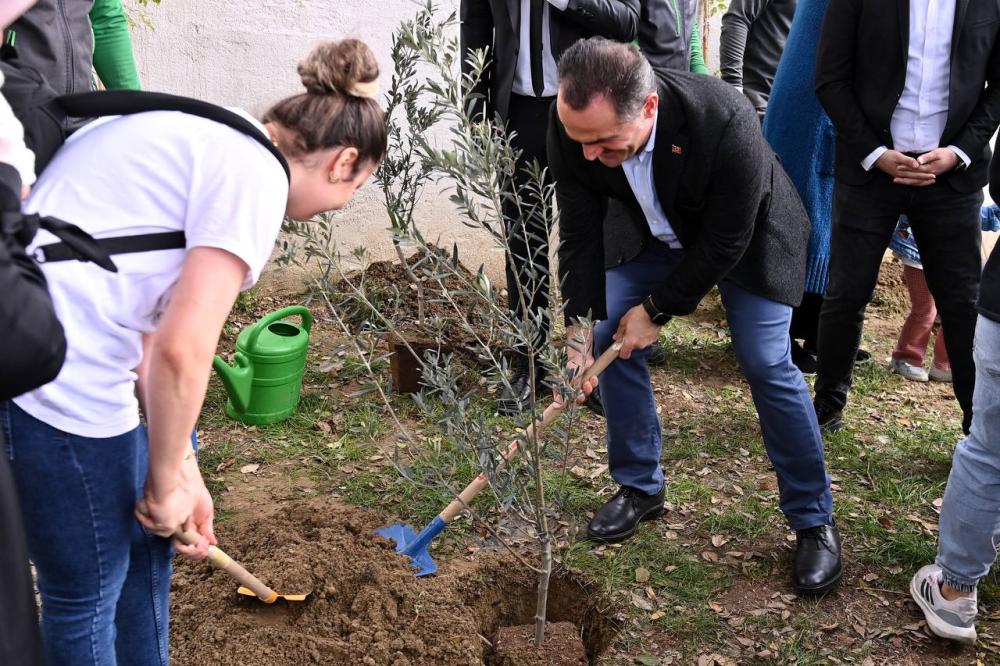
{"x":548,"y":99}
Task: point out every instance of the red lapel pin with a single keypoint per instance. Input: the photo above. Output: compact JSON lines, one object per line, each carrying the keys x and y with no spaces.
{"x":675,"y":149}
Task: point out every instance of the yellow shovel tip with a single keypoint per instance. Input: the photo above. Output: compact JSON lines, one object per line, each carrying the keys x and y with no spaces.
{"x":247,"y":592}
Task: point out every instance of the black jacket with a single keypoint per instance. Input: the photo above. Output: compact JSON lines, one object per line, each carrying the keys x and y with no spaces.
{"x":861,"y":70}
{"x":727,"y":198}
{"x":665,"y":28}
{"x":753,"y":36}
{"x":495,"y":25}
{"x":55,"y":37}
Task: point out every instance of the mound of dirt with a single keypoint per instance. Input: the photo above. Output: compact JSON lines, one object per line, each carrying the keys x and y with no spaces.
{"x":891,"y":297}
{"x":447,"y":292}
{"x":365,"y":605}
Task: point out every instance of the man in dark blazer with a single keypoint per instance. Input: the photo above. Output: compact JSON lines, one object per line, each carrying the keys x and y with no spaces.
{"x":913,"y":90}
{"x":525,"y":39}
{"x":710,"y":205}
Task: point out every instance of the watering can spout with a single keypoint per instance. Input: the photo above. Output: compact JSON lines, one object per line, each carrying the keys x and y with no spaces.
{"x":237,"y":378}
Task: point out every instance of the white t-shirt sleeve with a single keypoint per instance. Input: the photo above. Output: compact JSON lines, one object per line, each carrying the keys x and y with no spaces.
{"x":12,"y":148}
{"x":237,"y":200}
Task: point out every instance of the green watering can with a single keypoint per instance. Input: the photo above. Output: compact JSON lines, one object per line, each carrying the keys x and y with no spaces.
{"x":265,"y":383}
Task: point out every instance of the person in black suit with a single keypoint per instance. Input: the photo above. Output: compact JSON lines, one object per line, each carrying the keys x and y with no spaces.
{"x":913,"y":90}
{"x":525,"y":39}
{"x":709,"y":205}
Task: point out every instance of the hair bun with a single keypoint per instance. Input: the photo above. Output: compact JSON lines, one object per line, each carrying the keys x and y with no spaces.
{"x":348,"y":67}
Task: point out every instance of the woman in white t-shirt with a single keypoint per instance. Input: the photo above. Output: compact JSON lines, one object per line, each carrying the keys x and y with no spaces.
{"x":82,"y":460}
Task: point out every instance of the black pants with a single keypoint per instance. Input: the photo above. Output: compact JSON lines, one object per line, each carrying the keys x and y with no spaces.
{"x":20,"y":642}
{"x":946,"y":227}
{"x":527,"y":266}
{"x":805,"y":320}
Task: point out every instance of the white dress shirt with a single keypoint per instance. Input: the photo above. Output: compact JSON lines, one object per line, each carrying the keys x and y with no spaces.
{"x":639,"y":173}
{"x":522,"y":73}
{"x":922,"y":109}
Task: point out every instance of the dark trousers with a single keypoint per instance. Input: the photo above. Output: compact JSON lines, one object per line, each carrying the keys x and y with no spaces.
{"x":946,"y":227}
{"x":527,"y":265}
{"x":20,"y":641}
{"x":805,"y":320}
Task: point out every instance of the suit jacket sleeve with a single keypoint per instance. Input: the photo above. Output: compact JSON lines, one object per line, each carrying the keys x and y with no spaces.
{"x":736,"y":24}
{"x":835,"y":68}
{"x":581,"y":230}
{"x":614,"y":19}
{"x":476,"y":33}
{"x":982,"y":123}
{"x":738,"y":180}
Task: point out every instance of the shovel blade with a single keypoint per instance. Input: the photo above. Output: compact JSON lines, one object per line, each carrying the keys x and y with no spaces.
{"x":403,"y":535}
{"x":247,"y":592}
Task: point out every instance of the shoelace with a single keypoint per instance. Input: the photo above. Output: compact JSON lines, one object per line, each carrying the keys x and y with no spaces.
{"x":817,"y":534}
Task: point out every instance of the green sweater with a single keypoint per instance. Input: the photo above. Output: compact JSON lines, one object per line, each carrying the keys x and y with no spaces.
{"x":113,"y":57}
{"x":698,"y":65}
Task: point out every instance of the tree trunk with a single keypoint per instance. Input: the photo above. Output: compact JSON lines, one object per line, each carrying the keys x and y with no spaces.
{"x":542,"y":524}
{"x":543,"y":588}
{"x":413,"y":278}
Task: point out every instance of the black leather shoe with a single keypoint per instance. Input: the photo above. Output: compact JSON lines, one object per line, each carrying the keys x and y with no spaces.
{"x":517,"y":398}
{"x":594,"y":402}
{"x":862,"y":357}
{"x":620,"y":516}
{"x":830,"y":419}
{"x":817,"y":560}
{"x":657,"y":355}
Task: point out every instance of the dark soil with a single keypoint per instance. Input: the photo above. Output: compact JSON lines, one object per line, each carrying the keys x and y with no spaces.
{"x":365,"y":605}
{"x":449,"y":297}
{"x":514,"y":646}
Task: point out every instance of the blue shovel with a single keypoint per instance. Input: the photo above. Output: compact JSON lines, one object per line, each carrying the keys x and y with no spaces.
{"x":414,"y":545}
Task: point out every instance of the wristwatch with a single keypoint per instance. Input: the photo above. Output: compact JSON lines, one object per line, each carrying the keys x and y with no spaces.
{"x":659,"y":318}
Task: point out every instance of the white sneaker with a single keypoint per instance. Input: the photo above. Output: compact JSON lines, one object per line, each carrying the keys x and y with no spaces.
{"x":954,"y":620}
{"x":938,"y":375}
{"x":911,"y":372}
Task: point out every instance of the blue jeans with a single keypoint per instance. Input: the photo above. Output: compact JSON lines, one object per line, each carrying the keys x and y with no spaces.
{"x":970,"y":515}
{"x":759,"y":330}
{"x":104,"y":580}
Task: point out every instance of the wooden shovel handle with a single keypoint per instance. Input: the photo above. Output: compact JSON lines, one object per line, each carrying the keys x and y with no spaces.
{"x":223,"y":562}
{"x":551,"y":412}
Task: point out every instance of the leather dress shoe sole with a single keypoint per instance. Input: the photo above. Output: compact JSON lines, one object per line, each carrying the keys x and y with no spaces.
{"x":824,"y":588}
{"x":652,"y":513}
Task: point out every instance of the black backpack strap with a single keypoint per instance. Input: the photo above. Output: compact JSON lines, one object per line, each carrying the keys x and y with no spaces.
{"x":127,"y":102}
{"x":68,"y":251}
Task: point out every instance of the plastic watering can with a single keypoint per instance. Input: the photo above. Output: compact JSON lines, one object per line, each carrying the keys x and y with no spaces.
{"x":265,"y":382}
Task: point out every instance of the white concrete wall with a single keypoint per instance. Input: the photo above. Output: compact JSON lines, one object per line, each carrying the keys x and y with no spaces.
{"x":241,"y":53}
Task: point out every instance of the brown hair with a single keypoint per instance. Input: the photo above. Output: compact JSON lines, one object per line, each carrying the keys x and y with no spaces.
{"x":332,"y":112}
{"x":598,"y":66}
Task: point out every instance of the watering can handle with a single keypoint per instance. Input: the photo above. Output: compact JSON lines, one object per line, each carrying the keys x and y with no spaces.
{"x":278,"y":315}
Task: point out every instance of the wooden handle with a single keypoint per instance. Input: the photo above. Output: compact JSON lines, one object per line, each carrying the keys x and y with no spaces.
{"x":551,"y":412}
{"x":223,"y":562}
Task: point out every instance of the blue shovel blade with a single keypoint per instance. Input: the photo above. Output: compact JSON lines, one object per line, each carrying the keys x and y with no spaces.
{"x":408,"y":544}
